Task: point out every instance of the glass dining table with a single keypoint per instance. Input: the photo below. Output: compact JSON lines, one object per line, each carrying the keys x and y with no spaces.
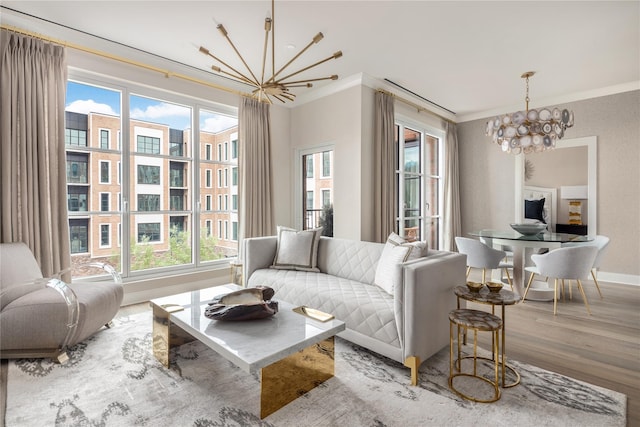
{"x":522,"y":247}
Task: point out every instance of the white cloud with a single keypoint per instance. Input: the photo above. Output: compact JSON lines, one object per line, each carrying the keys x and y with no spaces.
{"x":86,"y":106}
{"x":160,"y":111}
{"x":219,"y":123}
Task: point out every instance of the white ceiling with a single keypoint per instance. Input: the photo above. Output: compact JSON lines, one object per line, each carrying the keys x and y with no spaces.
{"x":465,"y":56}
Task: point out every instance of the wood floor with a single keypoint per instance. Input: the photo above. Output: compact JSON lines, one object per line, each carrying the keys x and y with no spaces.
{"x":601,"y":349}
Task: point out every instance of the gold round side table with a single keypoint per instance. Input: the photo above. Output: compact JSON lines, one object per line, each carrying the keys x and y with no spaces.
{"x":502,"y":298}
{"x":474,"y":320}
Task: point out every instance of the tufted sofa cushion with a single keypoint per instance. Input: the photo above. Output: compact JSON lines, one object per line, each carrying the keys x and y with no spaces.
{"x":350,"y":259}
{"x":363,"y":307}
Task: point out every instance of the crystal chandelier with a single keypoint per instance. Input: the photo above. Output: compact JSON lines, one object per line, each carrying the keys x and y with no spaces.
{"x":529,"y":131}
{"x":273,"y":86}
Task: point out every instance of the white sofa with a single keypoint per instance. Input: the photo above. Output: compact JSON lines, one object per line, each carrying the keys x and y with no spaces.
{"x":408,"y":326}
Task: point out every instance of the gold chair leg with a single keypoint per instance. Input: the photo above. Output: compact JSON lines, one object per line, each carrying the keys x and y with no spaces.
{"x":584,"y":296}
{"x":484,"y":274}
{"x":593,"y":274}
{"x":563,"y":291}
{"x":468,"y":271}
{"x":555,"y":296}
{"x":570,"y":291}
{"x":506,"y":270}
{"x":528,"y":286}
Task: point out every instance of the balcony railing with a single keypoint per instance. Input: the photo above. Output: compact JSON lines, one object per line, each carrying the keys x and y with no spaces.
{"x":312,"y":218}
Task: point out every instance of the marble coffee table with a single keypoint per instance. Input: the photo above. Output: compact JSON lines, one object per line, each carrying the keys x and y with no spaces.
{"x":293,"y":353}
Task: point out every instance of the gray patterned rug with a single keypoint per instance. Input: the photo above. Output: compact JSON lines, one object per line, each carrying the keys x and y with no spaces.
{"x":113,"y":380}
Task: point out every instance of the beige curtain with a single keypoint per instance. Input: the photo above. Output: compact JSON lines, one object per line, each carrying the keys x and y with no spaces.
{"x":255,"y":187}
{"x":33,"y":163}
{"x":452,"y":225}
{"x":385,"y":189}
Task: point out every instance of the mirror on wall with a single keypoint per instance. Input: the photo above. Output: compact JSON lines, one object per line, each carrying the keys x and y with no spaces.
{"x":567,"y":178}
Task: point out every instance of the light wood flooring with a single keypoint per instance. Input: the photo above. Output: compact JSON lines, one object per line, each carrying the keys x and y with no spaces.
{"x":601,"y":349}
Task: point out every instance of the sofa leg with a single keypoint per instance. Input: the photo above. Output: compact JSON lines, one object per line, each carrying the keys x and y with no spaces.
{"x":62,"y":358}
{"x":413,"y":362}
{"x":110,"y":324}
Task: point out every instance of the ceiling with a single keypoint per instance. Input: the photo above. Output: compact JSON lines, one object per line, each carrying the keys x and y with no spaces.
{"x":465,"y":56}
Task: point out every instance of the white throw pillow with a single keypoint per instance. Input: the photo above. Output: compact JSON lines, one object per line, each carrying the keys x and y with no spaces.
{"x":396,"y":252}
{"x":297,"y":250}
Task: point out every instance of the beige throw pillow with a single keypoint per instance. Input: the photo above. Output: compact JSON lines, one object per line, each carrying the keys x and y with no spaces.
{"x":396,"y":252}
{"x":297,"y":250}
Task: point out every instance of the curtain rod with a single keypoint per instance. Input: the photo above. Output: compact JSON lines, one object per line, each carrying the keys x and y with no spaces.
{"x":414,"y":105}
{"x":166,"y":73}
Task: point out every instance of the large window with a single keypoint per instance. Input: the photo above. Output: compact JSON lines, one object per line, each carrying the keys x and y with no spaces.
{"x":419,"y":182}
{"x":150,"y":204}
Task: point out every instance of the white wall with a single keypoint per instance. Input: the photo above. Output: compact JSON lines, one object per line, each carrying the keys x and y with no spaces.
{"x":335,"y":119}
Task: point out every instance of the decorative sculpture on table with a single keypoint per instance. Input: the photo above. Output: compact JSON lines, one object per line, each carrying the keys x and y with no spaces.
{"x":244,"y":304}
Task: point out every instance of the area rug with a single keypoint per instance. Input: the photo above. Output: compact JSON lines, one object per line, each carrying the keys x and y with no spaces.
{"x":113,"y":379}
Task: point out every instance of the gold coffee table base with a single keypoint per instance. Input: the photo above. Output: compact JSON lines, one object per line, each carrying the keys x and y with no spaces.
{"x":281,"y":382}
{"x":287,"y":379}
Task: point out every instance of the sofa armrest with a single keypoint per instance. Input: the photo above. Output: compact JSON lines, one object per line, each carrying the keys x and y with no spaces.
{"x":258,"y":252}
{"x":11,"y":293}
{"x":424,"y":299}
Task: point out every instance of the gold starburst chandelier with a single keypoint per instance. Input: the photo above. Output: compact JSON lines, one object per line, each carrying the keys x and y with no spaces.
{"x":274,"y":86}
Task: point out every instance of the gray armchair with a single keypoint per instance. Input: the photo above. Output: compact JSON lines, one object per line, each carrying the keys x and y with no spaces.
{"x":42,"y":317}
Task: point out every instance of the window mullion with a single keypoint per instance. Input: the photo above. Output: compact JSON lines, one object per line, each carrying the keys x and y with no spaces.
{"x":125,"y":186}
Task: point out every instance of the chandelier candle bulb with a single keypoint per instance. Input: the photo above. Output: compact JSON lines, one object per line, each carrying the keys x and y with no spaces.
{"x":529,"y":131}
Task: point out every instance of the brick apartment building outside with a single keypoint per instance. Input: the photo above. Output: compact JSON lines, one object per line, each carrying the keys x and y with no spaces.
{"x":160,"y":183}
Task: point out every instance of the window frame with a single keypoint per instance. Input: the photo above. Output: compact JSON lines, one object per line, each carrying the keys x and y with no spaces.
{"x":127,"y":145}
{"x":423,"y":217}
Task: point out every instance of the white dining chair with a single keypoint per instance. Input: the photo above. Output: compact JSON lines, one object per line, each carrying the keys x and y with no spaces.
{"x":572,"y":263}
{"x":484,"y":257}
{"x":600,"y":242}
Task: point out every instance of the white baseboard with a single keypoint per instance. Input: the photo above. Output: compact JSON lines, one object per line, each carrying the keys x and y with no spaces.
{"x":625,"y":279}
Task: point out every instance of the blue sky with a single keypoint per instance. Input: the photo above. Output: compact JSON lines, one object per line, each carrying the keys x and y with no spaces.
{"x":82,"y":98}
